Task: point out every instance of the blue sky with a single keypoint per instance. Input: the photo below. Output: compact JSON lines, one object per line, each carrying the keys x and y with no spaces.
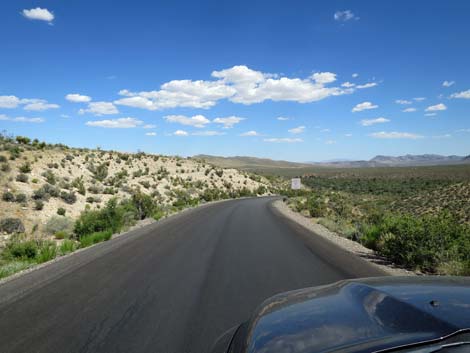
{"x":349,"y":79}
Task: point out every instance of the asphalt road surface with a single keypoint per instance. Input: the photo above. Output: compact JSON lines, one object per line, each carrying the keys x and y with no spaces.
{"x":171,"y":287}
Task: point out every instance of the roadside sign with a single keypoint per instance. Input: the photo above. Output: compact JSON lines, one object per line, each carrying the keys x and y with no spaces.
{"x":296,"y":184}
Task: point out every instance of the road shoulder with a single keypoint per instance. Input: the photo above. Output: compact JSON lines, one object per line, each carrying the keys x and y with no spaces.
{"x":317,"y":230}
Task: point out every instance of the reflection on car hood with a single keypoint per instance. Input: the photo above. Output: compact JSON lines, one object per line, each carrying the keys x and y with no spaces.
{"x":361,"y":315}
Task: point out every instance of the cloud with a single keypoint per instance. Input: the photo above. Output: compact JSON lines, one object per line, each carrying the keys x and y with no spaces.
{"x":369,"y":122}
{"x":208,"y":133}
{"x":409,"y":110}
{"x":180,"y":133}
{"x":325,"y":130}
{"x":430,"y":114}
{"x":9,"y":102}
{"x":344,"y":16}
{"x":297,"y":130}
{"x":403,"y":101}
{"x":348,"y":135}
{"x":463,"y":130}
{"x":100,"y":108}
{"x":149,"y":126}
{"x":38,"y":105}
{"x":38,"y":14}
{"x":324,"y":77}
{"x":436,"y":107}
{"x":448,"y":83}
{"x":21,"y":119}
{"x":228,"y":122}
{"x":150,"y":134}
{"x":367,"y":85}
{"x":33,"y":104}
{"x":463,"y":94}
{"x":419,"y":99}
{"x":250,"y":133}
{"x":395,"y":135}
{"x":121,"y":123}
{"x":65,"y":116}
{"x":283,"y":140}
{"x":364,"y":106}
{"x":354,"y":75}
{"x":330,"y":142}
{"x":238,"y":84}
{"x":444,"y":136}
{"x":198,"y":121}
{"x":282,"y":118}
{"x":77,"y":98}
{"x":347,"y":84}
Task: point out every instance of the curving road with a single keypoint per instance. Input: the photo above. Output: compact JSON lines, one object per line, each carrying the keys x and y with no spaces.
{"x":171,"y":287}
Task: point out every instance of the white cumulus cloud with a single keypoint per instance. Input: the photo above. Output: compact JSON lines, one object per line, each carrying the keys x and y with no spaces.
{"x":463,"y":94}
{"x":409,"y":110}
{"x":180,"y":133}
{"x":369,"y":122}
{"x":38,"y":105}
{"x":403,"y":101}
{"x":208,"y":133}
{"x":198,"y":121}
{"x":77,"y":98}
{"x":297,"y":130}
{"x":324,"y":77}
{"x":100,"y":108}
{"x":436,"y":107}
{"x":344,"y":16}
{"x":38,"y":14}
{"x":9,"y":102}
{"x":21,"y":119}
{"x":150,"y":134}
{"x":228,"y":122}
{"x":364,"y":106}
{"x":121,"y":123}
{"x":395,"y":135}
{"x":250,"y":133}
{"x":367,"y":85}
{"x":282,"y":118}
{"x":419,"y":99}
{"x":283,"y":140}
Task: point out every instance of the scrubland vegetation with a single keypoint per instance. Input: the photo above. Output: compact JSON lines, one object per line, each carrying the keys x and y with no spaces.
{"x":56,"y":199}
{"x":417,"y":217}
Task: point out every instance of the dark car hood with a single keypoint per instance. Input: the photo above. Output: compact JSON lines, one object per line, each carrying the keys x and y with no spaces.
{"x":360,"y":315}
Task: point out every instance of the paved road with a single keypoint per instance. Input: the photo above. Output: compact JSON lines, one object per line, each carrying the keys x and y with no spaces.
{"x":171,"y":287}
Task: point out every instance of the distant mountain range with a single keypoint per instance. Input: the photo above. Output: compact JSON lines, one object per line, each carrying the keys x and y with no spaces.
{"x":409,"y":160}
{"x":399,"y":161}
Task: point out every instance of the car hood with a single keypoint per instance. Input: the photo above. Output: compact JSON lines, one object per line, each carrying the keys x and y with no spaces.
{"x":360,"y":315}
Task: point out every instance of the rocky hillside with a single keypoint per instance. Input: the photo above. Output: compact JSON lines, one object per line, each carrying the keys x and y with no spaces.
{"x":39,"y":181}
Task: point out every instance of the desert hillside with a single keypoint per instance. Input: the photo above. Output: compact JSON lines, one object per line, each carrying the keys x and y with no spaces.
{"x":40,"y":181}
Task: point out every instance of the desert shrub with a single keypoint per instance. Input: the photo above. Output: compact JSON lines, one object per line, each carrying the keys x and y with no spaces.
{"x":21,"y":198}
{"x":50,"y":177}
{"x":109,"y":191}
{"x":61,"y":211}
{"x":38,"y":205}
{"x":23,"y":140}
{"x":34,"y":180}
{"x":45,"y":192}
{"x":261,"y":190}
{"x":79,"y":185}
{"x":145,"y":184}
{"x":143,"y":204}
{"x":316,"y":207}
{"x":26,"y":250}
{"x":8,"y":196}
{"x":61,"y":235}
{"x":11,"y":225}
{"x":25,"y":168}
{"x":68,"y":197}
{"x":3,"y":159}
{"x":5,"y":167}
{"x":58,"y":224}
{"x":95,"y":189}
{"x":99,"y":172}
{"x":95,"y":238}
{"x":22,"y":178}
{"x":109,"y":217}
{"x":158,"y":213}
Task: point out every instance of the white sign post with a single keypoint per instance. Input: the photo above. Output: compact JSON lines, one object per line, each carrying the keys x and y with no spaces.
{"x":296,"y":184}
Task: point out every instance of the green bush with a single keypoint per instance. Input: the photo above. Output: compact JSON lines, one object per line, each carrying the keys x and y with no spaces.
{"x":8,"y":196}
{"x":61,"y":211}
{"x":316,"y":207}
{"x":61,"y":235}
{"x":27,"y":250}
{"x":38,"y":205}
{"x":5,"y":167}
{"x":21,"y":198}
{"x":68,"y":197}
{"x":22,"y":178}
{"x":25,"y":168}
{"x":67,"y":246}
{"x":47,"y":252}
{"x":95,"y":238}
{"x":50,"y":177}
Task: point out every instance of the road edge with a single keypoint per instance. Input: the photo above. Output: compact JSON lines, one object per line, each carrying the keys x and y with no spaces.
{"x":317,"y":230}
